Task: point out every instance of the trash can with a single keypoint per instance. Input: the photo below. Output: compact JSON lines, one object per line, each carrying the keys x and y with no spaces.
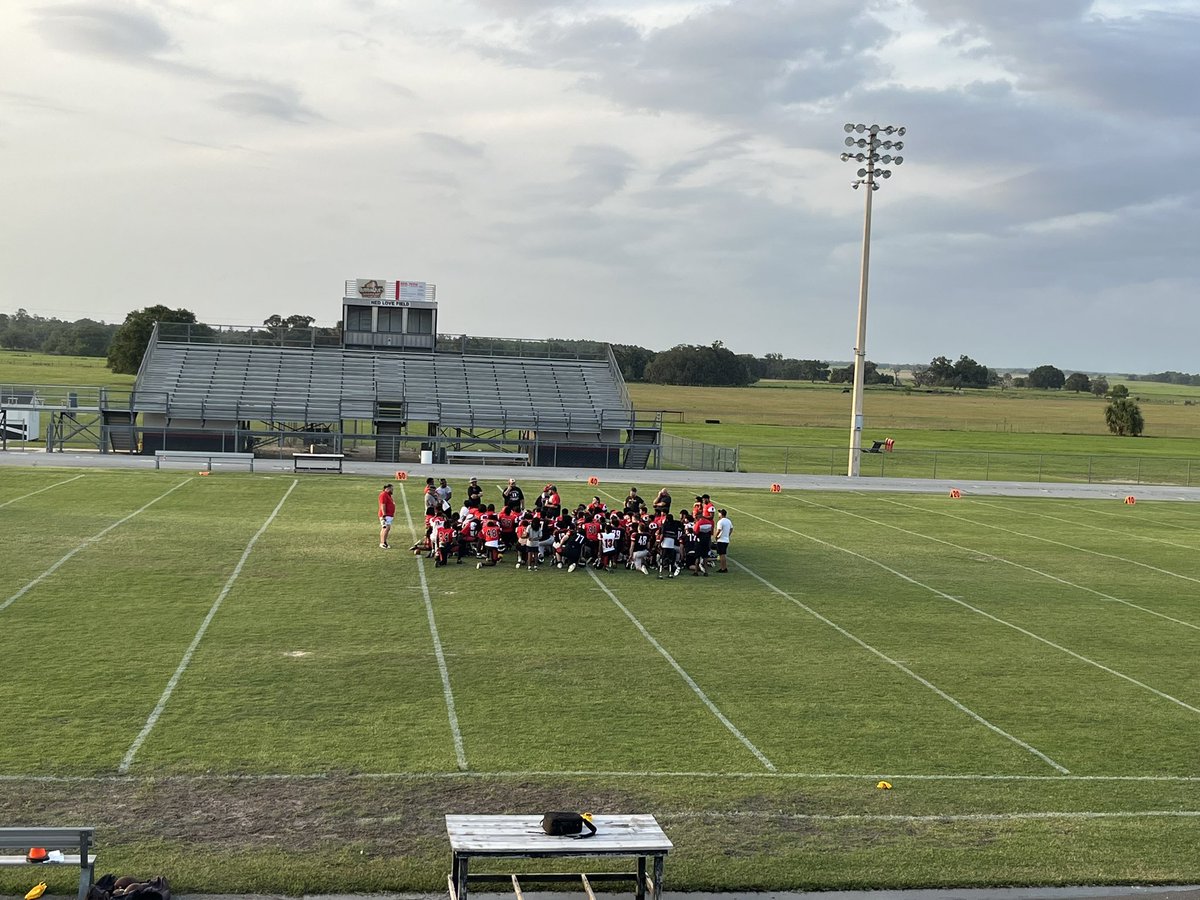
{"x":427,"y":457}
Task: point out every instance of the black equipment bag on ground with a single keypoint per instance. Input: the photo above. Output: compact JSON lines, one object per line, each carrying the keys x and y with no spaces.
{"x":568,"y":824}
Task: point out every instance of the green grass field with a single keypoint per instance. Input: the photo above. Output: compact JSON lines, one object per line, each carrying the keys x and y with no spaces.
{"x":230,"y":679}
{"x":21,"y":367}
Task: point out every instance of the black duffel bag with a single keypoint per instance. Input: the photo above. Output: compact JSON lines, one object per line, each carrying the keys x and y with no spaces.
{"x":568,"y":824}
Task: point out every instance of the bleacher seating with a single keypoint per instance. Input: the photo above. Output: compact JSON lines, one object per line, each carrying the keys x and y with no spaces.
{"x":229,"y":381}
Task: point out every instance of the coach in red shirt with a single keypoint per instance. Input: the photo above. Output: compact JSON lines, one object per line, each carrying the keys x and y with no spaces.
{"x":387,"y":511}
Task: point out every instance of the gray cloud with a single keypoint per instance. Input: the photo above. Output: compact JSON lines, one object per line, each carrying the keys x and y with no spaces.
{"x":282,"y":104}
{"x":723,"y":149}
{"x":135,"y":37}
{"x":1138,"y":65}
{"x":121,"y":32}
{"x":445,"y":145}
{"x":524,"y":8}
{"x":729,"y":60}
{"x":599,"y":172}
{"x":34,"y":101}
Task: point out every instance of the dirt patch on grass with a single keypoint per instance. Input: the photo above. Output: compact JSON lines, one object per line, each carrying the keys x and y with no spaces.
{"x":244,"y":813}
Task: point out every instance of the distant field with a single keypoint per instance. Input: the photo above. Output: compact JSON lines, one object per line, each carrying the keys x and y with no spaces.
{"x":18,"y":367}
{"x":202,"y":666}
{"x":1169,"y":411}
{"x":803,"y":427}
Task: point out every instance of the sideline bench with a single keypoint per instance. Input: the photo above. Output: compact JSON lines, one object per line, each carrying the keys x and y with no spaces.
{"x":318,"y":462}
{"x":521,"y":837}
{"x":205,"y":456}
{"x":76,"y":839}
{"x":483,"y":457}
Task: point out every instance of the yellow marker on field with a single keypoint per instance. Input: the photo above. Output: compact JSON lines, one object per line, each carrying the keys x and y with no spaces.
{"x":884,"y":785}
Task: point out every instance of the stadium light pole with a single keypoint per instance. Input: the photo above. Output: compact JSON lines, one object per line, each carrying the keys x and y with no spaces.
{"x":871,"y":139}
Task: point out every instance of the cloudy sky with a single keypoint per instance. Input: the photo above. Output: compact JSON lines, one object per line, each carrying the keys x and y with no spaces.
{"x":641,"y":171}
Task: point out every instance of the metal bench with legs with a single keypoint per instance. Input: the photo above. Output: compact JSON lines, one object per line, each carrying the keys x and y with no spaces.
{"x":77,"y":839}
{"x":486,"y":839}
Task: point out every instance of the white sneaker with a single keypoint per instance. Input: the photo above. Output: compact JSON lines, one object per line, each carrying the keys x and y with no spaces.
{"x":479,"y":565}
{"x":560,"y":565}
{"x":644,"y":570}
{"x":384,"y":547}
{"x":571,"y":567}
{"x":518,"y":565}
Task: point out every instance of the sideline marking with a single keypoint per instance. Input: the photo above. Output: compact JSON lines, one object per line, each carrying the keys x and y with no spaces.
{"x":1009,"y":562}
{"x":584,"y":773}
{"x":460,"y":753}
{"x":127,"y":761}
{"x":54,"y":568}
{"x":712,"y":707}
{"x":951,"y":817}
{"x":34,"y":493}
{"x":963,"y":603}
{"x":907,"y":671}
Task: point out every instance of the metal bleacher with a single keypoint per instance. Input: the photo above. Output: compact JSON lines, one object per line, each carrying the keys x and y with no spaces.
{"x":206,"y":381}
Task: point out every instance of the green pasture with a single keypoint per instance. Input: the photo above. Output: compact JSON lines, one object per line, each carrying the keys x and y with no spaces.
{"x":22,"y":367}
{"x":784,"y":426}
{"x":231,"y":680}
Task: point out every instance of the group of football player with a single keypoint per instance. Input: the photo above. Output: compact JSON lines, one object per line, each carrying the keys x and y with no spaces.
{"x":633,"y":535}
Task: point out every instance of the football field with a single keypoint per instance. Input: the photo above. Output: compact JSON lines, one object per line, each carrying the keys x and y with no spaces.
{"x":227,"y":675}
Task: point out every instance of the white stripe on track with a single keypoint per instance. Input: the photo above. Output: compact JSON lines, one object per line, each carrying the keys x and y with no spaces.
{"x":712,"y":707}
{"x":95,"y":537}
{"x":1009,"y":562}
{"x":965,"y":605}
{"x":42,"y":490}
{"x":127,"y":760}
{"x":907,"y":671}
{"x":460,"y":753}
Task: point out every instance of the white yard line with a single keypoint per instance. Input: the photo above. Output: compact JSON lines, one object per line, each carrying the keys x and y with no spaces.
{"x":589,"y":773}
{"x":961,"y":707}
{"x":950,"y":817}
{"x":712,"y":707}
{"x":42,"y":490}
{"x":127,"y":761}
{"x":1009,"y":562}
{"x":460,"y":753}
{"x":965,"y":605}
{"x":1077,"y":524}
{"x":1046,"y":540}
{"x":95,"y":537}
{"x":928,"y":684}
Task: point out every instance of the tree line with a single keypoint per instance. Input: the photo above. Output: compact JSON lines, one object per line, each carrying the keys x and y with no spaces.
{"x":85,"y":337}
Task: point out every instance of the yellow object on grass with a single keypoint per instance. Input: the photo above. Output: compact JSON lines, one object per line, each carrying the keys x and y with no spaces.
{"x":884,"y":785}
{"x":36,"y":891}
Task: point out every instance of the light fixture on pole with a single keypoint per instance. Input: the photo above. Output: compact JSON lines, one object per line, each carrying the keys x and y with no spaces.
{"x":870,"y":141}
